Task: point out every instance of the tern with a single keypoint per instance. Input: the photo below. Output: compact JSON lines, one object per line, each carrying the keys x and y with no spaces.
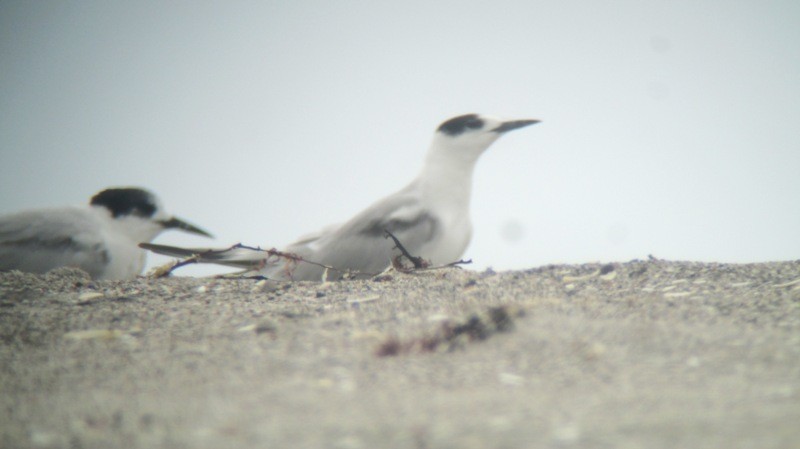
{"x":429,"y":218}
{"x":101,"y":238}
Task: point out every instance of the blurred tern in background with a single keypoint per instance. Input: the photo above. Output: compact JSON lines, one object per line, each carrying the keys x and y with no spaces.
{"x":429,"y":217}
{"x":102,"y":238}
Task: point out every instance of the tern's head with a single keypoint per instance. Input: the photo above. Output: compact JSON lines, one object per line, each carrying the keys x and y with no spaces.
{"x":139,"y":213}
{"x":471,"y":134}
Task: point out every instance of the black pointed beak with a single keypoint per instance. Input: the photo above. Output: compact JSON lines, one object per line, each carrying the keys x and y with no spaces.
{"x":176,"y":223}
{"x":514,"y":124}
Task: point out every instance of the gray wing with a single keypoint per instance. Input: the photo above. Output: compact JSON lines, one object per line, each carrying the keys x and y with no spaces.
{"x":360,"y":245}
{"x":39,"y":241}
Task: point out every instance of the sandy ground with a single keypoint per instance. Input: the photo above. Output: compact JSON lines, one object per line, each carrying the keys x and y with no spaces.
{"x":642,"y":354}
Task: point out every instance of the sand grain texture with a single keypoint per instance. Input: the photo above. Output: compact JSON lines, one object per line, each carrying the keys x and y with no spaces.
{"x":641,"y":354}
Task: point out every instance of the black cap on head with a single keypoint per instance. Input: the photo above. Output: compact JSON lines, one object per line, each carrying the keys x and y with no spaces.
{"x":458,"y":125}
{"x":127,"y":201}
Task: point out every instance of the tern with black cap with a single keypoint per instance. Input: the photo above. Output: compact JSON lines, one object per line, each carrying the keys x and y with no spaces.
{"x":430,"y":216}
{"x":101,"y":238}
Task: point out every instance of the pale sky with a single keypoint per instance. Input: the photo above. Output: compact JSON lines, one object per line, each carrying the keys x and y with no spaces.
{"x":669,"y":128}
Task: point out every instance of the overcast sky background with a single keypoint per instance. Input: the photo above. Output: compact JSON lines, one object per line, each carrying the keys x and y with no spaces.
{"x":669,"y":128}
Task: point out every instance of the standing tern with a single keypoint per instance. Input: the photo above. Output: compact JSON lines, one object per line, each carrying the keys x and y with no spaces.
{"x":429,"y":217}
{"x":100,"y":238}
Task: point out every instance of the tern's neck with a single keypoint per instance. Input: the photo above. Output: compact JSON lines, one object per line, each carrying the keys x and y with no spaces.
{"x":136,"y":229}
{"x":447,"y":175}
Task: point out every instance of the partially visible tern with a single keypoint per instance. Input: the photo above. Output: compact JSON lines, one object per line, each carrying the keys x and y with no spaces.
{"x":101,"y":238}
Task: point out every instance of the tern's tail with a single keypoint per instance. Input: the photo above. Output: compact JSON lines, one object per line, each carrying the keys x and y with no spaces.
{"x":236,"y":256}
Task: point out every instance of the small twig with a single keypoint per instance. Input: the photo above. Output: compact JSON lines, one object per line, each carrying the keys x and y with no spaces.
{"x":456,"y":263}
{"x":288,"y":256}
{"x":447,"y":265}
{"x":419,"y":262}
{"x":182,"y":263}
{"x":291,"y":257}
